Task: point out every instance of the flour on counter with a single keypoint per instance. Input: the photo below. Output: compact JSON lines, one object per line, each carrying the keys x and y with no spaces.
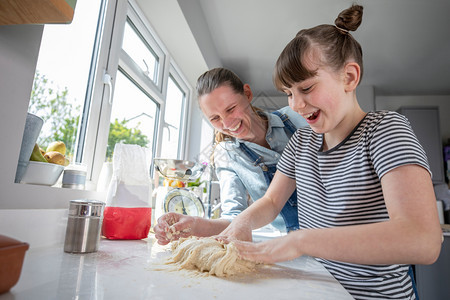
{"x":209,"y":256}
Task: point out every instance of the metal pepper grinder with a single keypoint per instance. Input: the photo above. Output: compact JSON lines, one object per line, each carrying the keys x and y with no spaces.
{"x":84,"y":226}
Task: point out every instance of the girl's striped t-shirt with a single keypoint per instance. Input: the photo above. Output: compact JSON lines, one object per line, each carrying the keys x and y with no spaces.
{"x":341,"y":187}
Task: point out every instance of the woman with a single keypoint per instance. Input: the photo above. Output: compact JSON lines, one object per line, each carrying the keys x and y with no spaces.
{"x":249,"y":143}
{"x":367,"y":208}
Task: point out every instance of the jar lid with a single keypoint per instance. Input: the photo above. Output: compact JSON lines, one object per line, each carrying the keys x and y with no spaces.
{"x":74,"y":172}
{"x":86,"y":208}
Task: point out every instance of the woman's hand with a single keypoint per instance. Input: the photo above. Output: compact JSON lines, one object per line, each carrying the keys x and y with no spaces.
{"x":272,"y":251}
{"x":172,"y":226}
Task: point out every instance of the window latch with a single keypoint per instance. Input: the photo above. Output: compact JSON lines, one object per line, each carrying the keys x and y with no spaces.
{"x":146,"y":72}
{"x":107,"y":80}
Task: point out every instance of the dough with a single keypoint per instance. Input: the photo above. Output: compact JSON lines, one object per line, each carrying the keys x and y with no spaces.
{"x":172,"y":232}
{"x":210,"y":256}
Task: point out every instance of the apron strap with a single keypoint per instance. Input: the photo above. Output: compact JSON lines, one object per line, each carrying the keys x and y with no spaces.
{"x":289,"y":211}
{"x":287,"y":123}
{"x":253,"y":156}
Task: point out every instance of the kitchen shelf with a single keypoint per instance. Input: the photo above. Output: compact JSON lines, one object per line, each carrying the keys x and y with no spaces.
{"x":30,"y":196}
{"x":14,"y":12}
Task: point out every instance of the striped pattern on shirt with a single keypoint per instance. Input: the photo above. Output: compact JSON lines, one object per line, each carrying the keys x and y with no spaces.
{"x":342,"y":186}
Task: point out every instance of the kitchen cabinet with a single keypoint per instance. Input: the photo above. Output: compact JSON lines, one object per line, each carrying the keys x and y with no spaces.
{"x":36,"y":11}
{"x":425,"y":123}
{"x":433,"y":280}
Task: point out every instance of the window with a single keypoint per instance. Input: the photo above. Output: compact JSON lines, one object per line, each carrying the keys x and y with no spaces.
{"x":133,"y":116}
{"x":172,"y":119}
{"x":134,"y":107}
{"x":139,"y":51}
{"x":114,"y":83}
{"x":62,"y":75}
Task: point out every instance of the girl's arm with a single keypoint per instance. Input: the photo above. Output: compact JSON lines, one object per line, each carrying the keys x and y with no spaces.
{"x":412,"y":235}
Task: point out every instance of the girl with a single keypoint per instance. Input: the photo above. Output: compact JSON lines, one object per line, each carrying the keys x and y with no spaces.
{"x":366,"y":203}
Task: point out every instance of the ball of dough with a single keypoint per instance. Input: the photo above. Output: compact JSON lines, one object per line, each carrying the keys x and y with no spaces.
{"x":209,"y":255}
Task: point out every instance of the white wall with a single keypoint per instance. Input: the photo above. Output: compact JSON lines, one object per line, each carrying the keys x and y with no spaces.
{"x":19,"y":46}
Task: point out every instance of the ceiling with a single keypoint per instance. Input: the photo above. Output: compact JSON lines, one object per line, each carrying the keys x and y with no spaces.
{"x":406,"y":43}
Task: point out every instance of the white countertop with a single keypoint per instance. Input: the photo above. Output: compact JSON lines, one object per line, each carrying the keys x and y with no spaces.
{"x":132,"y":270}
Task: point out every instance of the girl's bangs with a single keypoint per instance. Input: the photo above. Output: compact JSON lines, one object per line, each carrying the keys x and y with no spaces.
{"x":290,"y":68}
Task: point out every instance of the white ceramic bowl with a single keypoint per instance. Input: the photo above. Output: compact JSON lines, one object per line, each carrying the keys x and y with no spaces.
{"x":42,"y":173}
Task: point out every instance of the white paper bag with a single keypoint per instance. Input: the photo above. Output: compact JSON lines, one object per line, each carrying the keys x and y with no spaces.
{"x":127,"y":214}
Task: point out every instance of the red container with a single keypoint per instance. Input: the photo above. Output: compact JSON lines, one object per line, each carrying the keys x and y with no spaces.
{"x":12,"y":253}
{"x":126,"y":223}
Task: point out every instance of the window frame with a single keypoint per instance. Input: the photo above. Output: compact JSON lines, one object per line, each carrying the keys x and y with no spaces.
{"x":111,"y":57}
{"x":180,"y":82}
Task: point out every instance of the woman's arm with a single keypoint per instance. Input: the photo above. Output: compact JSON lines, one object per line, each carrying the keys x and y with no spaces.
{"x":172,"y":226}
{"x":412,"y":235}
{"x":233,"y":194}
{"x":263,"y":211}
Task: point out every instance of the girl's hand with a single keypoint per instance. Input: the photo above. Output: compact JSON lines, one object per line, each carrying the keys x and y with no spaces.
{"x":269,"y":252}
{"x":172,"y":226}
{"x":236,"y":231}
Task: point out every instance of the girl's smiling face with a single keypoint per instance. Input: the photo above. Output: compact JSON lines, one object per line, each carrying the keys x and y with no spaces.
{"x":230,"y":112}
{"x":328,"y":102}
{"x":319,"y":99}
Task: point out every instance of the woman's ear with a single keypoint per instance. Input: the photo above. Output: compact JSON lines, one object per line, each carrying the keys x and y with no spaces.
{"x":352,"y":73}
{"x":248,"y":92}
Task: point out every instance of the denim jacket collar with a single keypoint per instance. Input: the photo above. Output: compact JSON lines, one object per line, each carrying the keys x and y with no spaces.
{"x":273,"y":121}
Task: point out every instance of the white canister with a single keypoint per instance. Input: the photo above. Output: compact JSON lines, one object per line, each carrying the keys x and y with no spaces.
{"x":75,"y":176}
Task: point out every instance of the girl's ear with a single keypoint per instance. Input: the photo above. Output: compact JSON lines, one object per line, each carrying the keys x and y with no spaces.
{"x":352,"y":73}
{"x":248,"y":92}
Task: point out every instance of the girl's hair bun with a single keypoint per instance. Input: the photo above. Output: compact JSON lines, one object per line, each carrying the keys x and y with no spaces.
{"x":350,"y":18}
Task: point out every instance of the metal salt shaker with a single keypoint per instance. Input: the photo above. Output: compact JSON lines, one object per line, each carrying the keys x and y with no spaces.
{"x":84,"y":226}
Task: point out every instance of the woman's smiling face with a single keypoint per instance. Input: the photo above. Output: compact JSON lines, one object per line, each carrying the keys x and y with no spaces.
{"x":230,"y":112}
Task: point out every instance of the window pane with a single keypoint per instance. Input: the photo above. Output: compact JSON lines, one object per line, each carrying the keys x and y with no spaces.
{"x":133,"y":116}
{"x":172,"y":119}
{"x":139,"y":51}
{"x":62,"y":75}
